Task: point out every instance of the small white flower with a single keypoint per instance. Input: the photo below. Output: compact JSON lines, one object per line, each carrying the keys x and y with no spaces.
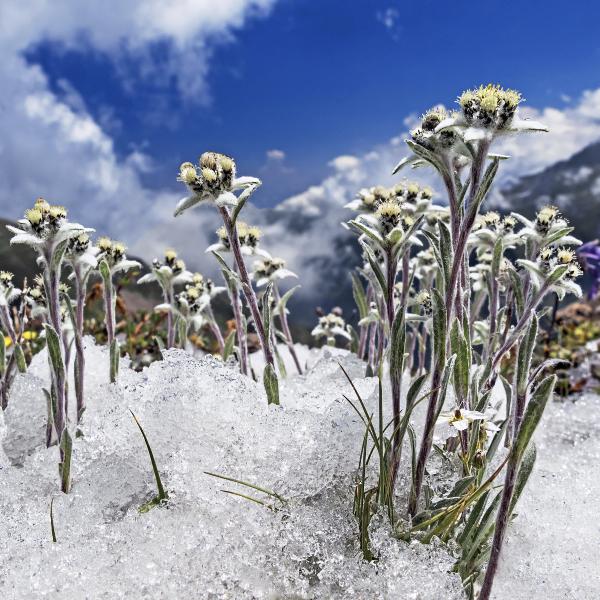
{"x":270,"y":269}
{"x":214,"y":181}
{"x":330,"y":326}
{"x":459,"y":418}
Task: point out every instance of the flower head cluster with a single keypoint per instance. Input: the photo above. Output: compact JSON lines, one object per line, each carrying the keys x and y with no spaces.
{"x":6,"y":280}
{"x":390,"y":224}
{"x":8,"y":292}
{"x":427,"y":134}
{"x":489,"y":106}
{"x":44,"y":228}
{"x":490,"y":227}
{"x":559,"y":267}
{"x":487,"y":111}
{"x":214,"y":178}
{"x":548,"y":227}
{"x":114,"y":253}
{"x":270,"y":269}
{"x":169,"y":271}
{"x":424,"y":303}
{"x":330,"y":326}
{"x":44,"y":218}
{"x":35,"y":296}
{"x":368,"y":199}
{"x":249,"y":237}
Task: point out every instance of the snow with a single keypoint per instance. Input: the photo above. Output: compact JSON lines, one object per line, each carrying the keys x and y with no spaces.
{"x":201,"y":415}
{"x":553,"y":547}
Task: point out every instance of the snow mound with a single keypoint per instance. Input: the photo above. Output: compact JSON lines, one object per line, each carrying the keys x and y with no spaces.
{"x":199,"y":415}
{"x":553,"y":546}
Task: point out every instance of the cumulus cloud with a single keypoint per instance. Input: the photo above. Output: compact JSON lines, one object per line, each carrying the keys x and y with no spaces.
{"x":277,"y":155}
{"x":52,"y":146}
{"x":390,"y":19}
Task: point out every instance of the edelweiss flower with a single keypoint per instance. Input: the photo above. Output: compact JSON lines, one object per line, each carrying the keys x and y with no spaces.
{"x":169,"y":273}
{"x":81,"y":254}
{"x":114,"y":255}
{"x":487,"y":112}
{"x":214,"y":180}
{"x":460,"y":418}
{"x":270,"y":269}
{"x":44,"y":228}
{"x":424,"y":302}
{"x":331,"y":325}
{"x":388,"y":226}
{"x":8,"y":293}
{"x":249,"y":237}
{"x":549,"y":227}
{"x":548,"y":264}
{"x":490,"y":227}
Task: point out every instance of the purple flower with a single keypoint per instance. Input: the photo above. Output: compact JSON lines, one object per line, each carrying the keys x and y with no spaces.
{"x":589,"y":257}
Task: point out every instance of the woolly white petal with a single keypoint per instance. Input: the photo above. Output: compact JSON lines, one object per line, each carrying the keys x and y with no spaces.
{"x":148,"y":278}
{"x":473,"y":134}
{"x":226,"y":199}
{"x":186,"y":203}
{"x":218,"y":247}
{"x":243,"y":182}
{"x":354,"y":204}
{"x":518,"y":124}
{"x":27,"y":238}
{"x":126,"y":265}
{"x":283,"y":273}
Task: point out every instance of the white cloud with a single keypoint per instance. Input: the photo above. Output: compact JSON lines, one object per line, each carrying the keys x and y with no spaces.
{"x":52,"y":146}
{"x":277,"y":155}
{"x":388,"y":18}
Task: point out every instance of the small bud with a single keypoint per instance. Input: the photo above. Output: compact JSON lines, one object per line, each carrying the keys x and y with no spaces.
{"x":104,"y":244}
{"x":57,"y":212}
{"x":188,"y":174}
{"x":179,"y":266}
{"x":118,"y":250}
{"x":209,"y":175}
{"x":34,"y":216}
{"x":42,"y":205}
{"x":170,"y":256}
{"x":227,"y":164}
{"x":208,"y":160}
{"x":6,"y":277}
{"x":565,"y":256}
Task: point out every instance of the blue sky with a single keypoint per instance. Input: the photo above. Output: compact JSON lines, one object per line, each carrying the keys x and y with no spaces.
{"x":103,"y":99}
{"x":319,"y":79}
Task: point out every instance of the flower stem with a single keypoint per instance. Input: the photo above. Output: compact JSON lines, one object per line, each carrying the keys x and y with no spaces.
{"x":247,"y":288}
{"x":79,"y":356}
{"x":286,"y":330}
{"x":240,"y":331}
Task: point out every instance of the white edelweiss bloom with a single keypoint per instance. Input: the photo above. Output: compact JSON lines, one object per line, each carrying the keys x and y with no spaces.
{"x":549,"y":263}
{"x":248,"y":236}
{"x":548,"y":228}
{"x":270,"y":269}
{"x":330,"y":326}
{"x":44,"y":228}
{"x":388,"y":226}
{"x":459,"y":418}
{"x":113,"y":253}
{"x":487,"y":112}
{"x":215,"y":181}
